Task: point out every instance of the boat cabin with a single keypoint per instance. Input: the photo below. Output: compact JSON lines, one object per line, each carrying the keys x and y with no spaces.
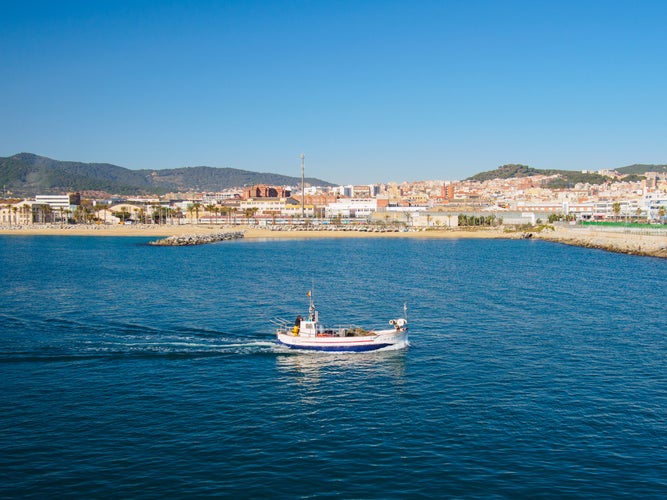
{"x":308,"y":328}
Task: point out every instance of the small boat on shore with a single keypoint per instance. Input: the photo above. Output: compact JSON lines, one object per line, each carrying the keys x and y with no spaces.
{"x":308,"y":334}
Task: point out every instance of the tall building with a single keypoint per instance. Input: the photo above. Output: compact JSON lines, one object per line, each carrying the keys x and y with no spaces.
{"x":58,"y":201}
{"x":448,"y":191}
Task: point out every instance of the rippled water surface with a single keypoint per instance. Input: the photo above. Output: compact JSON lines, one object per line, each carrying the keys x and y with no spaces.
{"x":535,"y":370}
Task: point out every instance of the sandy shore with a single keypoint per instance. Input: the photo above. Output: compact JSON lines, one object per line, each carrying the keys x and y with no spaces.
{"x":250,"y":232}
{"x":631,"y":243}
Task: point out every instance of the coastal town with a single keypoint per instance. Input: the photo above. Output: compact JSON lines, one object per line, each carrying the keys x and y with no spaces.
{"x":520,"y":201}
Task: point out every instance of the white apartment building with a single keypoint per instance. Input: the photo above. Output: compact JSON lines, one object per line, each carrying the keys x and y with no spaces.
{"x":59,"y":201}
{"x":360,"y":208}
{"x":585,"y":210}
{"x":629,"y":208}
{"x":264,"y":206}
{"x":652,"y":203}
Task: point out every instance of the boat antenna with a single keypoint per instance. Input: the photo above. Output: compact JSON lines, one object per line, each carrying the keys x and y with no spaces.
{"x":311,"y":309}
{"x":405,"y":310}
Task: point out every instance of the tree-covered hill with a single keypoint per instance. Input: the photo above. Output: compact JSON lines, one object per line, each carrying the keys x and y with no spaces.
{"x":640,"y":169}
{"x":26,"y":174}
{"x":562,"y":179}
{"x":510,"y":171}
{"x":566,"y":178}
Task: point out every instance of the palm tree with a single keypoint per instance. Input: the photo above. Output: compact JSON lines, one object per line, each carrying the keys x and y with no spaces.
{"x":26,"y":212}
{"x":196,"y":207}
{"x":616,"y":207}
{"x":154,"y":218}
{"x":79,"y":214}
{"x":85,"y":214}
{"x":47,"y":212}
{"x":98,"y":208}
{"x":178,"y":213}
{"x":8,"y":207}
{"x":250,"y":212}
{"x":169,"y":214}
{"x":209,"y":209}
{"x":226,"y":209}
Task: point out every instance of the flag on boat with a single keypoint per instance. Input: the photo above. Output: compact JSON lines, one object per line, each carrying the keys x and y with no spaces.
{"x":308,"y":293}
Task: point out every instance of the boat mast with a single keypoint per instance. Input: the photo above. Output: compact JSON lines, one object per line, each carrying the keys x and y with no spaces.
{"x":312,"y":312}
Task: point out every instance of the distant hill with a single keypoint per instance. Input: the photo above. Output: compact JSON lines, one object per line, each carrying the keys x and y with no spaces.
{"x":641,"y":169}
{"x":26,"y":174}
{"x":565,"y":178}
{"x":510,"y":171}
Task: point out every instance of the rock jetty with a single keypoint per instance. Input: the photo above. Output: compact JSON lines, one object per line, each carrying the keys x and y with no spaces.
{"x":195,"y":239}
{"x":650,"y":245}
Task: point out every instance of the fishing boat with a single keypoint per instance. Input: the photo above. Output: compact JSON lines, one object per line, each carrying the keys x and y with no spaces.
{"x":308,"y":334}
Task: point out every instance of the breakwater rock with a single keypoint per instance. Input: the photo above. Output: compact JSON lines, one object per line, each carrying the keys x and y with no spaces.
{"x":628,"y":243}
{"x":196,"y":239}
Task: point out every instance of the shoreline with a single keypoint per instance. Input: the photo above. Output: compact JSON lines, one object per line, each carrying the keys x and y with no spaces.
{"x":250,"y":232}
{"x":620,"y":242}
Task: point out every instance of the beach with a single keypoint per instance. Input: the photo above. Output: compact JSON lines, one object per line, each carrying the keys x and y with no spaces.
{"x":250,"y":232}
{"x":637,"y":243}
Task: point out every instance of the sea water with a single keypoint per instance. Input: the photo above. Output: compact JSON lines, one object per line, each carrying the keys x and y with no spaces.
{"x":130,"y":371}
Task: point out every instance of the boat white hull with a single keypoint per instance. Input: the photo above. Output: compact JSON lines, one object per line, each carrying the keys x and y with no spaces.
{"x":378,"y":340}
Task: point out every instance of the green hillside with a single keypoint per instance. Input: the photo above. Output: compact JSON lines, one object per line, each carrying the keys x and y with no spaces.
{"x":565,"y":178}
{"x":640,"y":169}
{"x":26,"y":174}
{"x":510,"y":171}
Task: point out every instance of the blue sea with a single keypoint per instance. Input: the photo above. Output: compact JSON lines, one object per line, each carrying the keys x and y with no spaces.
{"x":535,"y":370}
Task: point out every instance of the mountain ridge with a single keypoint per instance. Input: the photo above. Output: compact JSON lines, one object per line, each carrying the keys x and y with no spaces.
{"x":30,"y":174}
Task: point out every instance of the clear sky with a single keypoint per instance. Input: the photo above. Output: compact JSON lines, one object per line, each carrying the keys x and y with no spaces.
{"x":369,"y":91}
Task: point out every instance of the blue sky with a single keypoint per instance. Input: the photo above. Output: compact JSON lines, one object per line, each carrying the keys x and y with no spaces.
{"x":369,"y":91}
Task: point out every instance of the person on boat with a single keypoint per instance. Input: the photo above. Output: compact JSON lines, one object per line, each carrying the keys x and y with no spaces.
{"x":297,"y":325}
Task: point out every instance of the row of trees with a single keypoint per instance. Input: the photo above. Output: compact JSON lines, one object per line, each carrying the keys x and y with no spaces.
{"x":86,"y":213}
{"x":167,"y":215}
{"x":479,"y":220}
{"x":561,"y":217}
{"x":41,"y":214}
